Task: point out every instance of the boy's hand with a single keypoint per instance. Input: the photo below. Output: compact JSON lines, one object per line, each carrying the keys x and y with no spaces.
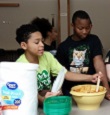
{"x":95,"y":77}
{"x":50,"y":94}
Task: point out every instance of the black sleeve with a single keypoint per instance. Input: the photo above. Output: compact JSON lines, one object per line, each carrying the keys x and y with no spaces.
{"x":97,"y":47}
{"x":108,"y":54}
{"x":107,"y":59}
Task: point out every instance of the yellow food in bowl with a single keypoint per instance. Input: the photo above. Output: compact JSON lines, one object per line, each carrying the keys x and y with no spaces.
{"x":86,"y":96}
{"x":87,"y":89}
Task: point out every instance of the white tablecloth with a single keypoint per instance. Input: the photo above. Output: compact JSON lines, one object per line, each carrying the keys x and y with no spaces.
{"x":103,"y":110}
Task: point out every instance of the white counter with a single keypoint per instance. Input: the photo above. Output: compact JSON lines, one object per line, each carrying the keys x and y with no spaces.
{"x":103,"y":110}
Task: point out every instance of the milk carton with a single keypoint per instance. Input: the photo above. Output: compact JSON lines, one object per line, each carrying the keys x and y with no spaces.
{"x":18,"y":88}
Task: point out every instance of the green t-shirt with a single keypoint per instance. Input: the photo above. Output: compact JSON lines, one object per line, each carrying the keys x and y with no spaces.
{"x":47,"y":65}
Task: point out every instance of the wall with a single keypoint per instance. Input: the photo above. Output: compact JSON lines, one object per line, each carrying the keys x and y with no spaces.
{"x":13,"y":17}
{"x":100,"y":16}
{"x":63,"y":19}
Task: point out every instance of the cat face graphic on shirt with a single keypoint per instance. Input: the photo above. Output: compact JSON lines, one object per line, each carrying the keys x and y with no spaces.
{"x":78,"y":57}
{"x":77,"y":64}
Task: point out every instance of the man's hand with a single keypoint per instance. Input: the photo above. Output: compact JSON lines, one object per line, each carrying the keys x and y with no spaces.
{"x":95,"y":77}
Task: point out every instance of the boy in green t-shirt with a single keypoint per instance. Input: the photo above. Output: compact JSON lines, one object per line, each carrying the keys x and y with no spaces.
{"x":31,"y":41}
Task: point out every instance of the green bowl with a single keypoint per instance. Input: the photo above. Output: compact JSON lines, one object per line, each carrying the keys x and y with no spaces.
{"x":58,"y":105}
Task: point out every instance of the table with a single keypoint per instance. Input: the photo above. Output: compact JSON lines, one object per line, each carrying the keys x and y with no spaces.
{"x":103,"y":110}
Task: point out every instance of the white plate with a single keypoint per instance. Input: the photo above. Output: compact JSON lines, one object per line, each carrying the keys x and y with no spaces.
{"x":58,"y":81}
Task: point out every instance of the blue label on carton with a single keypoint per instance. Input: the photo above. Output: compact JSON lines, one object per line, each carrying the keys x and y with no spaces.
{"x":12,"y":85}
{"x":17,"y":102}
{"x":11,"y":94}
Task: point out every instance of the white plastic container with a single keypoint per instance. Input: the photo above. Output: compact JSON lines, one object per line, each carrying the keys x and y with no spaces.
{"x":0,"y":107}
{"x":18,"y":88}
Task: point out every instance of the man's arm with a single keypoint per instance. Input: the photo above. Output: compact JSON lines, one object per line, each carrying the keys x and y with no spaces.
{"x":100,"y":66}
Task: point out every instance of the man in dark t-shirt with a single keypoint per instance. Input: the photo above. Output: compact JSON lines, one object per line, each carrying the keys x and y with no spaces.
{"x":82,"y":52}
{"x":107,"y":64}
{"x":107,"y":59}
